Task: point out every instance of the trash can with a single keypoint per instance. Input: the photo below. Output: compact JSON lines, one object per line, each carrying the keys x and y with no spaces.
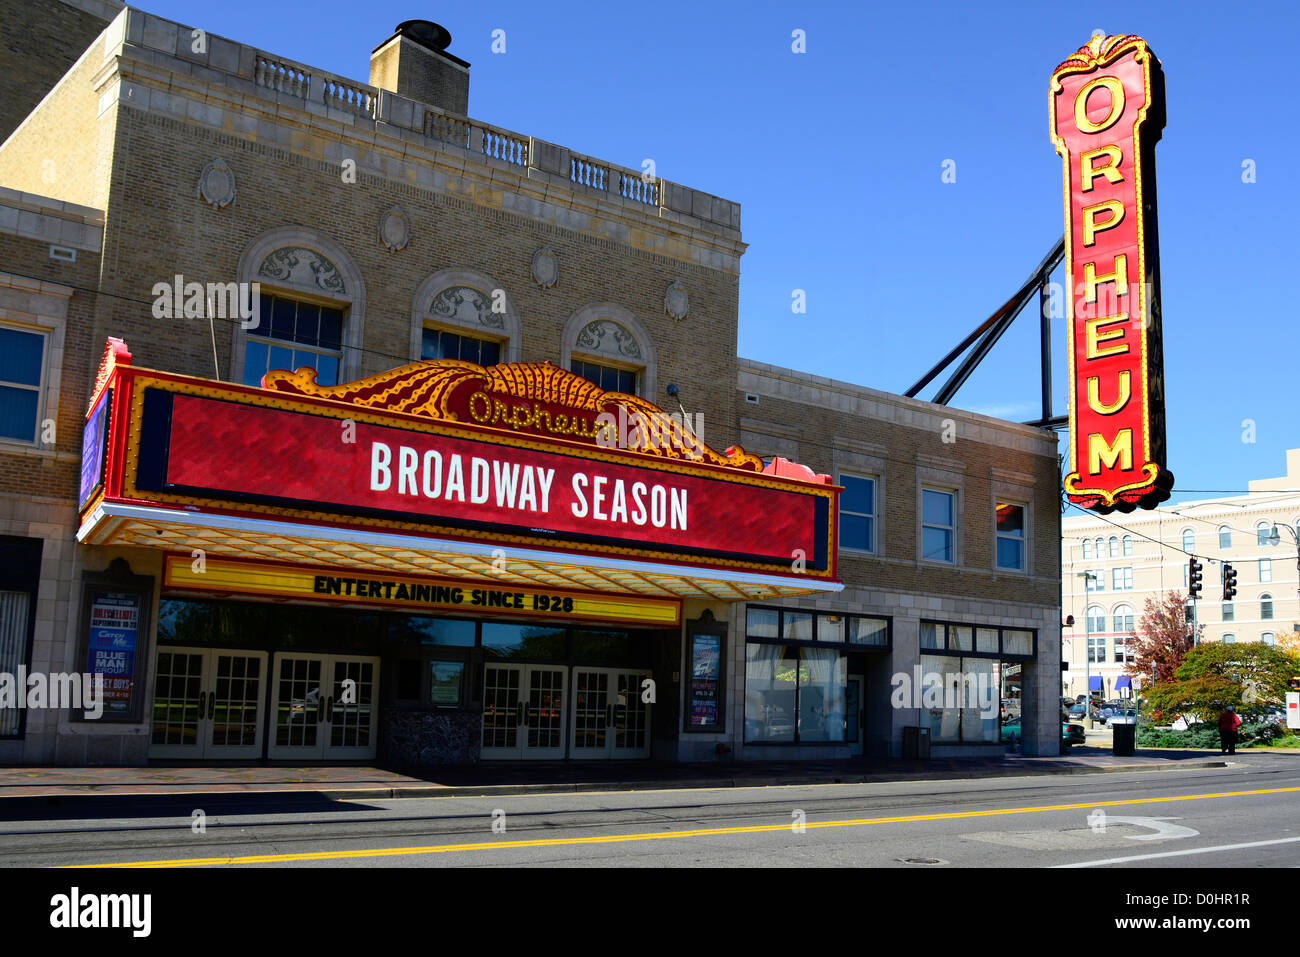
{"x":1125,"y":740}
{"x":916,"y":743}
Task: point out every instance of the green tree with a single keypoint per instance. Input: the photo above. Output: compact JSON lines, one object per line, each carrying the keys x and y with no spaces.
{"x":1161,"y":642}
{"x":1213,"y":676}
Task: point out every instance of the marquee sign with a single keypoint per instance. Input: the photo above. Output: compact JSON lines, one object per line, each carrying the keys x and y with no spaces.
{"x":420,"y":450}
{"x":1107,"y":112}
{"x":408,"y":593}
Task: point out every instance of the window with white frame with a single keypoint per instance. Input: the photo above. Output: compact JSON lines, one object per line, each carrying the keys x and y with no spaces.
{"x":1096,"y":619}
{"x":858,"y":512}
{"x":22,"y":382}
{"x":1225,"y":536}
{"x":1189,"y":540}
{"x":1114,"y":546}
{"x":1121,"y":650}
{"x":1096,"y":649}
{"x":1229,"y":639}
{"x":1123,"y":618}
{"x":1128,"y":546}
{"x":1265,"y":606}
{"x":1010,"y":521}
{"x":291,"y":334}
{"x":1095,"y":580}
{"x":1267,"y":638}
{"x":1264,"y":534}
{"x":1099,"y":545}
{"x":1087,"y":548}
{"x":1265,"y":570}
{"x":938,"y":525}
{"x":1122,"y":578}
{"x":1227,"y":612}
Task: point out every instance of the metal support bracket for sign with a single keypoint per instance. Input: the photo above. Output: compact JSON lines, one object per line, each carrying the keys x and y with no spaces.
{"x":986,"y":335}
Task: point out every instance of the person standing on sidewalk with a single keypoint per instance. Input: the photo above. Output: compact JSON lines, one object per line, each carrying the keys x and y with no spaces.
{"x":1229,"y":722}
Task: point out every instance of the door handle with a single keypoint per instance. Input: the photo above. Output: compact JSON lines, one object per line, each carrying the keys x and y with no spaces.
{"x":520,"y":714}
{"x":203,"y":704}
{"x":329,"y":709}
{"x":320,"y":710}
{"x":609,"y":714}
{"x":212,"y":704}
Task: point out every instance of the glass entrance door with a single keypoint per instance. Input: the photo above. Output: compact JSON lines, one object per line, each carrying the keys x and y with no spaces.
{"x":523,"y":711}
{"x":324,"y":707}
{"x":208,"y":703}
{"x":609,"y":718}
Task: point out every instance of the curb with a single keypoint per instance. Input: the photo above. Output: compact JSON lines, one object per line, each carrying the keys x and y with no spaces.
{"x":70,"y":800}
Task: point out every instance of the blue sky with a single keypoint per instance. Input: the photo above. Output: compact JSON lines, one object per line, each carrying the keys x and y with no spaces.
{"x":836,"y":155}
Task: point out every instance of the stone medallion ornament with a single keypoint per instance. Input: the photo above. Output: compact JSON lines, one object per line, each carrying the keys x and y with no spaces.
{"x":395,"y":229}
{"x":546,"y":270}
{"x":217,"y":184}
{"x":676,"y":302}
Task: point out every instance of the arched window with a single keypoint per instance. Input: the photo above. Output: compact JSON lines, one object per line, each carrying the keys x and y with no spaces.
{"x":1100,"y":547}
{"x":1267,"y":638}
{"x":1122,"y":617}
{"x":1128,"y":546}
{"x":605,"y":343}
{"x":1226,"y":612}
{"x":460,"y":313}
{"x":1229,"y":639}
{"x":1114,"y":546}
{"x":1096,"y":619}
{"x":312,"y":308}
{"x":1189,"y":540}
{"x":1265,"y":606}
{"x":1087,"y":548}
{"x":1225,"y":536}
{"x":1264,"y":534}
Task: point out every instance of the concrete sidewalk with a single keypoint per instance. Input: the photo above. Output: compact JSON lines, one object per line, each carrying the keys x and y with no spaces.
{"x":60,"y":786}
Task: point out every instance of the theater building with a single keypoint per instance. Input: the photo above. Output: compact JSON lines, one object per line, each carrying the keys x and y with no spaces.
{"x":427,"y":498}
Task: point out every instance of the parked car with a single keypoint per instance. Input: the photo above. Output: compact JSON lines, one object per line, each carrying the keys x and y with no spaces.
{"x":1070,"y":733}
{"x":1122,"y":716}
{"x":1078,"y":711}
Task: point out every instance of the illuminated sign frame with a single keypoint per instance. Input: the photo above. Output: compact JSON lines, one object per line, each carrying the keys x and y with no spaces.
{"x":1107,"y":111}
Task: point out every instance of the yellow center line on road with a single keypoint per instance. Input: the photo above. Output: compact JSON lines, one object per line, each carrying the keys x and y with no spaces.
{"x":702,"y":832}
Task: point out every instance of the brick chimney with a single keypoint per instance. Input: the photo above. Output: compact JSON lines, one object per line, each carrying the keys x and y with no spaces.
{"x":414,"y":63}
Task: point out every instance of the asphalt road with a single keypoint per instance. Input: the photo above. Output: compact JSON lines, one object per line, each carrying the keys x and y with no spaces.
{"x":1244,"y":815}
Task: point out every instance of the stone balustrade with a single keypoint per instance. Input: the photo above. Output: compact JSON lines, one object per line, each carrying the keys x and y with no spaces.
{"x":256,"y":71}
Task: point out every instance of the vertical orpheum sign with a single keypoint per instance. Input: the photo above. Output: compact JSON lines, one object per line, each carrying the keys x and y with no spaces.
{"x":1107,"y":112}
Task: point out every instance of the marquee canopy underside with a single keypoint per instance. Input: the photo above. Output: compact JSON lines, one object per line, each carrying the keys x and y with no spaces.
{"x":179,"y":530}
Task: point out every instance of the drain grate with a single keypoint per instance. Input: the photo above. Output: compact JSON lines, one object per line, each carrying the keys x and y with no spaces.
{"x":927,"y":861}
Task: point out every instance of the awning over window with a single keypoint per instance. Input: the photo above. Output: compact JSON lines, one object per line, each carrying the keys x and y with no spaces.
{"x":1123,"y":681}
{"x":520,"y":474}
{"x":1096,"y":684}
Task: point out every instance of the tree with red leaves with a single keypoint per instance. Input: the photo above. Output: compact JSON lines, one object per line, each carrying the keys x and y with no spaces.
{"x":1162,"y":637}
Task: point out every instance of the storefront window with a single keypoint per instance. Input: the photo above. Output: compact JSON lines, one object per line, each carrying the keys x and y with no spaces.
{"x":770,"y":691}
{"x":524,"y":641}
{"x":968,"y":690}
{"x":868,"y":631}
{"x":797,"y":626}
{"x":762,"y":622}
{"x":931,"y":635}
{"x":830,"y":627}
{"x":433,"y":631}
{"x":822,"y":677}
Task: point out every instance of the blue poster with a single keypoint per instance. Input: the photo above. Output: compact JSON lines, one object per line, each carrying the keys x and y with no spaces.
{"x":114,"y":627}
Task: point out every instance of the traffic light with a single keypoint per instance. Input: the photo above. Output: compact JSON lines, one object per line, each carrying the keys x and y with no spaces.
{"x":1229,"y":582}
{"x":1193,"y":578}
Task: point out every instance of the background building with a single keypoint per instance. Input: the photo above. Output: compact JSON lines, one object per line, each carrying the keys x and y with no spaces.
{"x":1111,"y":567}
{"x":386,"y":227}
